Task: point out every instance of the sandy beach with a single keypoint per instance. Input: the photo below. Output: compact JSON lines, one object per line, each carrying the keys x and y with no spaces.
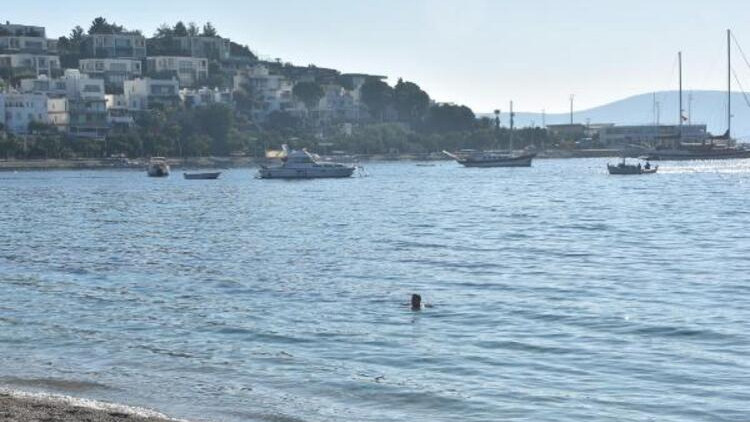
{"x":24,"y":407}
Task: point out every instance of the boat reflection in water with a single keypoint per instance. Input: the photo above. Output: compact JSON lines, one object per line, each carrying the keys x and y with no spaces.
{"x":300,"y":164}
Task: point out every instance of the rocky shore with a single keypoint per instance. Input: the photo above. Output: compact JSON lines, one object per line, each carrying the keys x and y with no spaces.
{"x":23,"y":407}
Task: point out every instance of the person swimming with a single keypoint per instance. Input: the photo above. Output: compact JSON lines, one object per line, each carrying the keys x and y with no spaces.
{"x":416,"y":302}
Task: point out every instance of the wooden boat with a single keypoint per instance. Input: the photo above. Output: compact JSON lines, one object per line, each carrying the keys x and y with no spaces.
{"x":625,"y":169}
{"x":201,"y":176}
{"x":491,"y":159}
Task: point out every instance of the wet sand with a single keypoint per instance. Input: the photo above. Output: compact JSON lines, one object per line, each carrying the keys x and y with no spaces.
{"x":15,"y":407}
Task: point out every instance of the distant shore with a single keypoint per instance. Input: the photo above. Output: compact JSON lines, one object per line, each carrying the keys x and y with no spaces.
{"x":21,"y":407}
{"x":244,"y":162}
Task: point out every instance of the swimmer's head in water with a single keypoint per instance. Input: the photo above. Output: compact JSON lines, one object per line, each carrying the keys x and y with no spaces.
{"x":416,"y":302}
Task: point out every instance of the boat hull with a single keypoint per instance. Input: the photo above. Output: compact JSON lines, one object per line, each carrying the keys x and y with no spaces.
{"x":630,"y":170}
{"x":158,"y":171}
{"x":520,"y":161}
{"x":293,"y":173}
{"x":201,"y":176}
{"x":686,"y":156}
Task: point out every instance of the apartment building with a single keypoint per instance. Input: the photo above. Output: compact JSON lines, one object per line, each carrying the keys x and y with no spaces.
{"x":190,"y":71}
{"x":146,"y":93}
{"x":131,"y":45}
{"x":114,"y":72}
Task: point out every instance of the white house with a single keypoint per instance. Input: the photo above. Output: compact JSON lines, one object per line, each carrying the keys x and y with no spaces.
{"x":58,"y":113}
{"x":273,"y":92}
{"x":114,"y":72}
{"x":205,"y":96}
{"x":22,"y":109}
{"x":215,"y":48}
{"x":145,"y":93}
{"x":15,"y":38}
{"x":189,"y":70}
{"x":123,"y":45}
{"x":38,"y":64}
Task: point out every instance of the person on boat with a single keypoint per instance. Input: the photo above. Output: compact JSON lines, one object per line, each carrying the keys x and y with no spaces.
{"x":648,"y":165}
{"x":639,"y":166}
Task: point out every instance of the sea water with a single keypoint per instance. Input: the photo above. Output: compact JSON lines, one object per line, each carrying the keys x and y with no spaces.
{"x":558,"y":292}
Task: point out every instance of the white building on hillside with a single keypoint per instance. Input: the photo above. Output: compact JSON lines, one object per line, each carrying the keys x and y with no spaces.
{"x":33,"y":64}
{"x":114,"y":72}
{"x":271,"y":92}
{"x":205,"y":96}
{"x":190,"y":71}
{"x":58,"y":113}
{"x":22,"y":109}
{"x":145,"y":93}
{"x":130,"y":45}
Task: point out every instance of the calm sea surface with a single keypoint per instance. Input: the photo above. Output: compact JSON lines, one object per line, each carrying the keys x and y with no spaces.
{"x":560,"y":293}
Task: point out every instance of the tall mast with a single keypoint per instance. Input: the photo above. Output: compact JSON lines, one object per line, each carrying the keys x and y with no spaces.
{"x":679,"y":59}
{"x":510,"y":142}
{"x":729,"y":84}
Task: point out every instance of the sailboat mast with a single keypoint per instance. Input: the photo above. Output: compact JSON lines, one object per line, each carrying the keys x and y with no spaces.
{"x":729,"y":83}
{"x":510,"y":142}
{"x":679,"y":65}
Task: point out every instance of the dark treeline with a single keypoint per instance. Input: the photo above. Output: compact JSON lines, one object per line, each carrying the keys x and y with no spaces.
{"x":397,"y":119}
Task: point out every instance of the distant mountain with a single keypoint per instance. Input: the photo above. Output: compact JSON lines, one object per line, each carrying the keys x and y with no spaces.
{"x":707,"y":107}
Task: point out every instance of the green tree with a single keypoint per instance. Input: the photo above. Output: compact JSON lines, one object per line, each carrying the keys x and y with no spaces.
{"x":180,"y":30}
{"x":193,"y":30}
{"x":100,"y":26}
{"x":215,"y":121}
{"x":410,"y":101}
{"x":309,"y":93}
{"x":450,"y":118}
{"x":209,"y":30}
{"x":377,"y":96}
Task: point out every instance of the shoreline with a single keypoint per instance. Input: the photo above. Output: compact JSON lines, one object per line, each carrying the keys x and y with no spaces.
{"x":247,"y":162}
{"x":20,"y":406}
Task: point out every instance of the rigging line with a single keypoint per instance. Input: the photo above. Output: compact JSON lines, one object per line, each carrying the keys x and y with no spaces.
{"x":744,"y":94}
{"x":739,"y":47}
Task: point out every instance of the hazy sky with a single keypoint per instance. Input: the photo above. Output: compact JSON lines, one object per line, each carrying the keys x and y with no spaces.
{"x":481,"y":53}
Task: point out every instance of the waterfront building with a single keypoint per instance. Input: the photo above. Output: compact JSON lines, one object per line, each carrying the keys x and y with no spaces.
{"x":21,"y":109}
{"x":118,"y":112}
{"x":131,"y":45}
{"x":114,"y":72}
{"x":190,"y":71}
{"x":651,"y":134}
{"x":146,"y":93}
{"x":58,"y":113}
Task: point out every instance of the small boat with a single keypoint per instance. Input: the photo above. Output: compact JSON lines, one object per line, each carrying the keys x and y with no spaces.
{"x":158,"y":167}
{"x":624,"y":169}
{"x":303,"y":165}
{"x":201,"y":176}
{"x":491,"y":158}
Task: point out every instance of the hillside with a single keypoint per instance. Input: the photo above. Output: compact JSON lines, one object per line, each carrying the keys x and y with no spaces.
{"x":708,"y":107}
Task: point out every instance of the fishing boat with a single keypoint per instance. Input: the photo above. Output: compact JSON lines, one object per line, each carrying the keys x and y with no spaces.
{"x":510,"y":158}
{"x":712,"y":148}
{"x":158,"y":167}
{"x":300,"y":164}
{"x":624,"y":168}
{"x":201,"y":176}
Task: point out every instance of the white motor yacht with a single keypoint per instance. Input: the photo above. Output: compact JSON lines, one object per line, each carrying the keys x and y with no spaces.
{"x":301,"y":164}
